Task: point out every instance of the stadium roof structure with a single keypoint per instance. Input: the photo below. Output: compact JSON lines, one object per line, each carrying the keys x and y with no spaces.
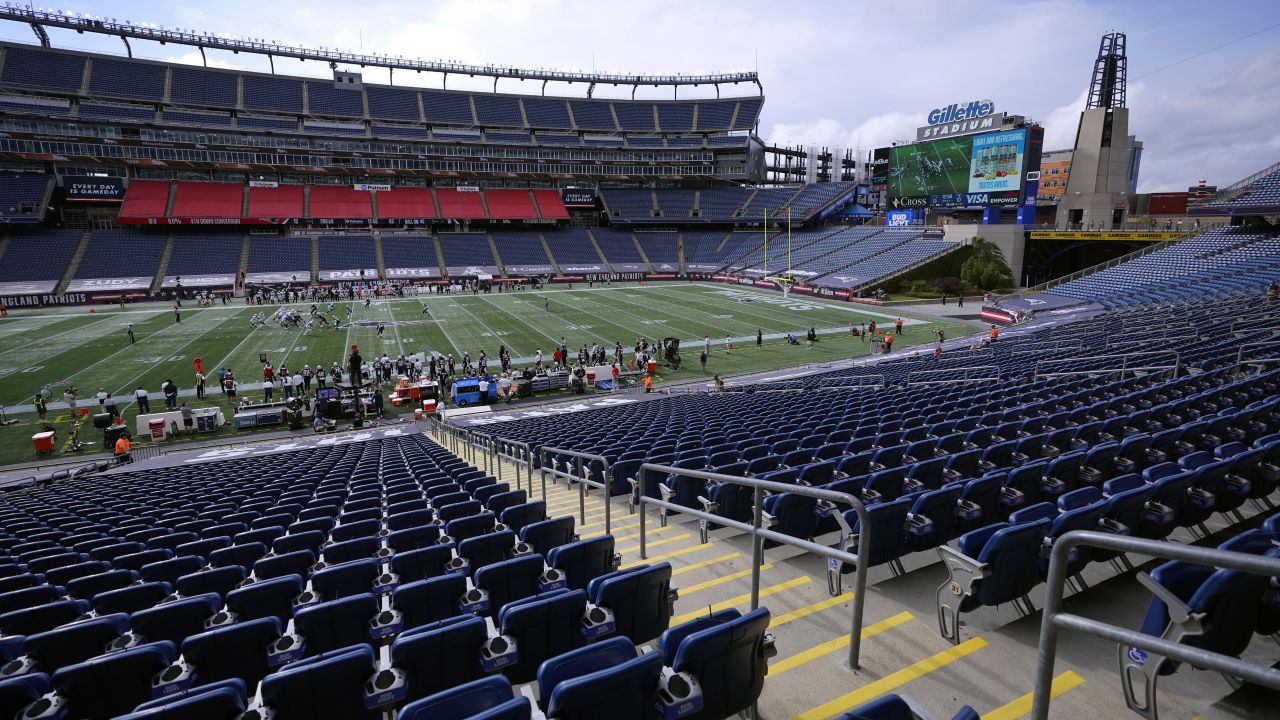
{"x":38,"y":19}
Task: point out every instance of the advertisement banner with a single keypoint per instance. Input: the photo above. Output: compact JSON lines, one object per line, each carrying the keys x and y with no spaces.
{"x":995,"y":162}
{"x":880,"y":167}
{"x":376,"y":187}
{"x":197,"y":281}
{"x":87,"y":188}
{"x":899,"y":218}
{"x":1102,"y":235}
{"x":421,"y":272}
{"x":200,"y":221}
{"x":31,"y":287}
{"x":17,"y":301}
{"x":578,"y":197}
{"x":100,"y":284}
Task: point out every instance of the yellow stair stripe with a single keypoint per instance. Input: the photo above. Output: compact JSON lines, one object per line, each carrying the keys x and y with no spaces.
{"x":1016,"y":709}
{"x":667,"y":556}
{"x":655,"y":543}
{"x":742,"y":599}
{"x":699,"y":565}
{"x":720,"y":580}
{"x":889,"y":682}
{"x":817,"y":651}
{"x":808,"y":610}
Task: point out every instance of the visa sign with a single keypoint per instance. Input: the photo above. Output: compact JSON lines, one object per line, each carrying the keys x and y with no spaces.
{"x":960,"y":111}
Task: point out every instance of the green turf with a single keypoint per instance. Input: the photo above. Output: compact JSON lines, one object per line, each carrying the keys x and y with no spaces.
{"x":90,"y":349}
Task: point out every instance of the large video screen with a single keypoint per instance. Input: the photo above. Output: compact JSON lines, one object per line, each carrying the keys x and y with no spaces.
{"x":956,"y":167}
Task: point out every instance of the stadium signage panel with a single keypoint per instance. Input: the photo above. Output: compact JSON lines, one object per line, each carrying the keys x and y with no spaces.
{"x":372,"y":187}
{"x":910,"y":202}
{"x":198,"y":221}
{"x":82,"y":188}
{"x":124,"y":283}
{"x":412,"y":272}
{"x":14,"y":301}
{"x":578,"y":197}
{"x":1103,"y":235}
{"x":898,"y":218}
{"x":263,"y":184}
{"x":961,"y":111}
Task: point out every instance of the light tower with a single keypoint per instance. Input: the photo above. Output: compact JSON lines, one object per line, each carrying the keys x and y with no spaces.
{"x":1106,"y":158}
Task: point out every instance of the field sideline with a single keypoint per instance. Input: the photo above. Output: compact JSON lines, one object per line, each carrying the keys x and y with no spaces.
{"x":91,"y":350}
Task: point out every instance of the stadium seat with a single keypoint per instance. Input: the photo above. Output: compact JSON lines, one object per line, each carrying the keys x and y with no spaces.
{"x":600,"y":681}
{"x":490,"y":698}
{"x":993,"y":565}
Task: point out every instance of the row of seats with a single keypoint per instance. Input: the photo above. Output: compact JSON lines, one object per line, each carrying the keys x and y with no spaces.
{"x":420,"y":569}
{"x":29,"y":67}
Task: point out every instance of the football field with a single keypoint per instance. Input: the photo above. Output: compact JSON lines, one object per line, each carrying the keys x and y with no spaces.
{"x":49,"y":347}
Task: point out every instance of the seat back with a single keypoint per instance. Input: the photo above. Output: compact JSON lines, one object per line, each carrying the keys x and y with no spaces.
{"x":233,"y":651}
{"x":441,"y":655}
{"x":219,"y":701}
{"x":328,"y":686}
{"x":74,"y":643}
{"x":487,"y":549}
{"x":510,"y":580}
{"x":548,"y":534}
{"x":543,"y":626}
{"x":336,"y":624}
{"x":619,"y":692}
{"x":269,"y":598}
{"x":516,"y":516}
{"x":489,"y":698}
{"x":638,"y":598}
{"x":421,"y":564}
{"x":174,"y":621}
{"x":428,"y":601}
{"x":583,"y":561}
{"x":114,"y":684}
{"x":729,"y":662}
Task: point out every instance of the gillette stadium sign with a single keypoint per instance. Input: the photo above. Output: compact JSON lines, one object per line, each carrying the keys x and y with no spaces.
{"x":961,"y":119}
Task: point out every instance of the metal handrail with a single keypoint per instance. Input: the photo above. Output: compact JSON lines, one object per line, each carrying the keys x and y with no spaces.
{"x":519,"y":454}
{"x":1244,"y":346}
{"x":964,"y":375}
{"x":581,"y":476}
{"x":1124,"y":364}
{"x":1053,"y":617}
{"x":759,"y":533}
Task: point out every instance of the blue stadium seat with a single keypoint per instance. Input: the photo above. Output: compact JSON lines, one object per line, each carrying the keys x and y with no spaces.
{"x":232,"y":651}
{"x":726,"y":654}
{"x":992,"y":565}
{"x":602,"y":681}
{"x":224,"y":700}
{"x":543,"y":627}
{"x":585,"y":560}
{"x":326,"y":687}
{"x":490,"y":698}
{"x":440,"y":655}
{"x":110,"y":685}
{"x":640,"y":600}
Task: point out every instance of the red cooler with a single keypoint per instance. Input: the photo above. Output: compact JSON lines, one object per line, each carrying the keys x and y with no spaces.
{"x":428,"y":407}
{"x":591,"y":377}
{"x":156,"y":427}
{"x":43,"y":441}
{"x":653,"y":366}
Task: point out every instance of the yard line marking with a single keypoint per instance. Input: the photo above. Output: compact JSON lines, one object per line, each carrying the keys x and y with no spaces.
{"x":1017,"y":708}
{"x":490,"y":330}
{"x":705,"y":563}
{"x":891,"y":681}
{"x":817,"y":651}
{"x":685,"y":591}
{"x":518,"y":321}
{"x":811,"y":609}
{"x":24,"y":346}
{"x":128,"y":385}
{"x":135,"y":345}
{"x":741,"y":599}
{"x":665,"y":541}
{"x":667,"y":556}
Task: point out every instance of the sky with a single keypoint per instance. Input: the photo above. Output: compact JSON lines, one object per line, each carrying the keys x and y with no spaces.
{"x":1204,"y":78}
